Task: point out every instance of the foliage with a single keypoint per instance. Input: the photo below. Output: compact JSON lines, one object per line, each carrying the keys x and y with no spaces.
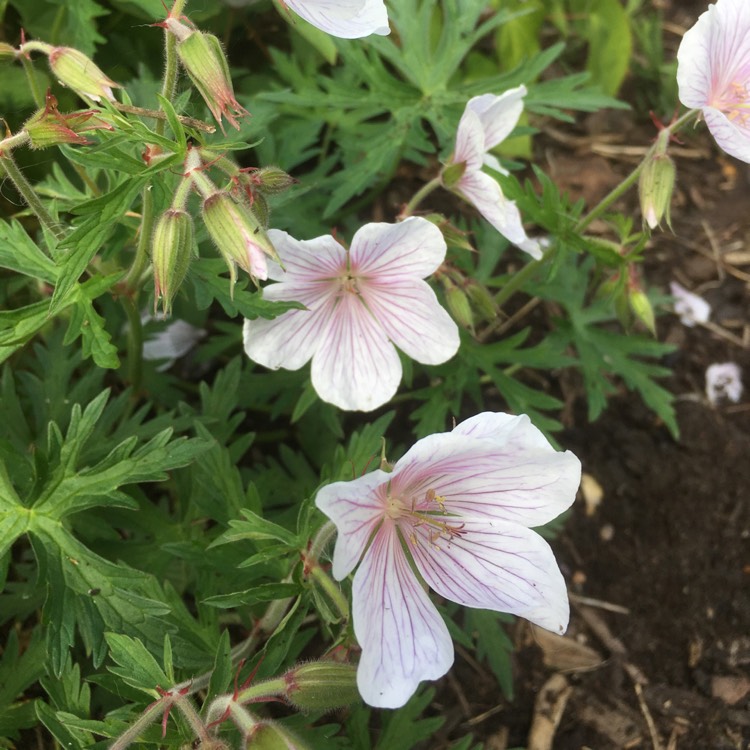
{"x":159,"y":535}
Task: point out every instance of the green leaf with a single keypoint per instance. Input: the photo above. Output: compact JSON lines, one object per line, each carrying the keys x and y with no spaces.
{"x":493,"y":645}
{"x":265,"y":592}
{"x":607,"y":28}
{"x":86,"y":240}
{"x":86,"y":590}
{"x":20,"y":253}
{"x":256,"y":528}
{"x":210,"y":285}
{"x":78,"y":28}
{"x":223,"y":669}
{"x":17,"y":327}
{"x":136,"y":666}
{"x":404,"y":728}
{"x":87,"y":323}
{"x":60,"y":725}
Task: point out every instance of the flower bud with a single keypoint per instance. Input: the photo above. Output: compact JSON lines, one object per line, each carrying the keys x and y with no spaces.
{"x":452,"y":174}
{"x":655,"y":189}
{"x":172,"y":247}
{"x":48,"y":127}
{"x":321,"y":685}
{"x":458,"y":304}
{"x":453,"y":236}
{"x":76,"y":71}
{"x":7,"y":52}
{"x":203,"y":59}
{"x":269,"y":735}
{"x":238,"y":235}
{"x":641,"y":307}
{"x":482,"y":300}
{"x":271,"y":180}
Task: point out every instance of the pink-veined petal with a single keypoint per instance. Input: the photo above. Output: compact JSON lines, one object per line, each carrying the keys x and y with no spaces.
{"x":495,"y":565}
{"x":514,"y":430}
{"x":484,"y":193}
{"x":484,"y":477}
{"x":469,"y":141}
{"x":414,"y":248}
{"x":412,"y":317}
{"x":355,"y":367}
{"x":355,"y":507}
{"x":348,"y":19}
{"x":498,"y":114}
{"x":290,"y":340}
{"x":732,"y":135}
{"x":403,"y":637}
{"x":306,"y":260}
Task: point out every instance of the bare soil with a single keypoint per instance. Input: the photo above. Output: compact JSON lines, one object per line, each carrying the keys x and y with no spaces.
{"x":658,"y":651}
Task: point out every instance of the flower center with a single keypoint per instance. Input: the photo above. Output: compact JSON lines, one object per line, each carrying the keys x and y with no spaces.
{"x":348,"y":284}
{"x":428,"y":515}
{"x":734,"y":101}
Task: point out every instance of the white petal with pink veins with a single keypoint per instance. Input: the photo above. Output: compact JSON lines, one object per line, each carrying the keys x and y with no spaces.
{"x":485,"y":194}
{"x":414,"y":248}
{"x":494,"y":565}
{"x":307,"y":260}
{"x":732,"y":135}
{"x":403,"y":637}
{"x":470,"y":148}
{"x":290,"y":340}
{"x":482,"y":478}
{"x":356,"y":509}
{"x":498,"y":114}
{"x":412,"y":317}
{"x":348,"y":19}
{"x":355,"y":366}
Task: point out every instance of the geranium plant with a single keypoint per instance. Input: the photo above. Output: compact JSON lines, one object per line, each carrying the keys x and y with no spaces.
{"x":169,"y":461}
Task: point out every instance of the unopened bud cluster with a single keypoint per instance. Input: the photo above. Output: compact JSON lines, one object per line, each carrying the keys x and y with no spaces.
{"x":235,"y":220}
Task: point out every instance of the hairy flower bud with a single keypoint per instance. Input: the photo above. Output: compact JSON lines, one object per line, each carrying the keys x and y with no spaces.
{"x":481,"y":300}
{"x":321,"y":685}
{"x":272,"y":180}
{"x":7,"y":52}
{"x":48,"y":127}
{"x":76,"y":71}
{"x":238,"y":235}
{"x":203,"y":59}
{"x":642,"y":309}
{"x":655,"y":189}
{"x":458,"y":304}
{"x":269,"y":735}
{"x":172,"y":246}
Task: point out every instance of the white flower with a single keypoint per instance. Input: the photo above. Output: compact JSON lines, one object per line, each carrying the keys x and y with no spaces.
{"x":724,"y":382}
{"x":486,"y":121}
{"x":458,"y":509}
{"x":171,"y":343}
{"x":713,"y":73}
{"x":690,"y":307}
{"x":360,"y":302}
{"x":348,"y":19}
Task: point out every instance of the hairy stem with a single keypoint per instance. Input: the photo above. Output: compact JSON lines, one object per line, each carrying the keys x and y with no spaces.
{"x":27,"y":192}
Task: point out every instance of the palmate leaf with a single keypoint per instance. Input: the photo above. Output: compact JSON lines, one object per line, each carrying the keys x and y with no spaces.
{"x":86,"y":239}
{"x":210,"y":283}
{"x":72,"y":488}
{"x":91,"y":594}
{"x":85,"y":592}
{"x":20,"y":253}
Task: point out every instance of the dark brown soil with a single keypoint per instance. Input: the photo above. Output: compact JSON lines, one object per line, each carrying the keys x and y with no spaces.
{"x":660,"y":658}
